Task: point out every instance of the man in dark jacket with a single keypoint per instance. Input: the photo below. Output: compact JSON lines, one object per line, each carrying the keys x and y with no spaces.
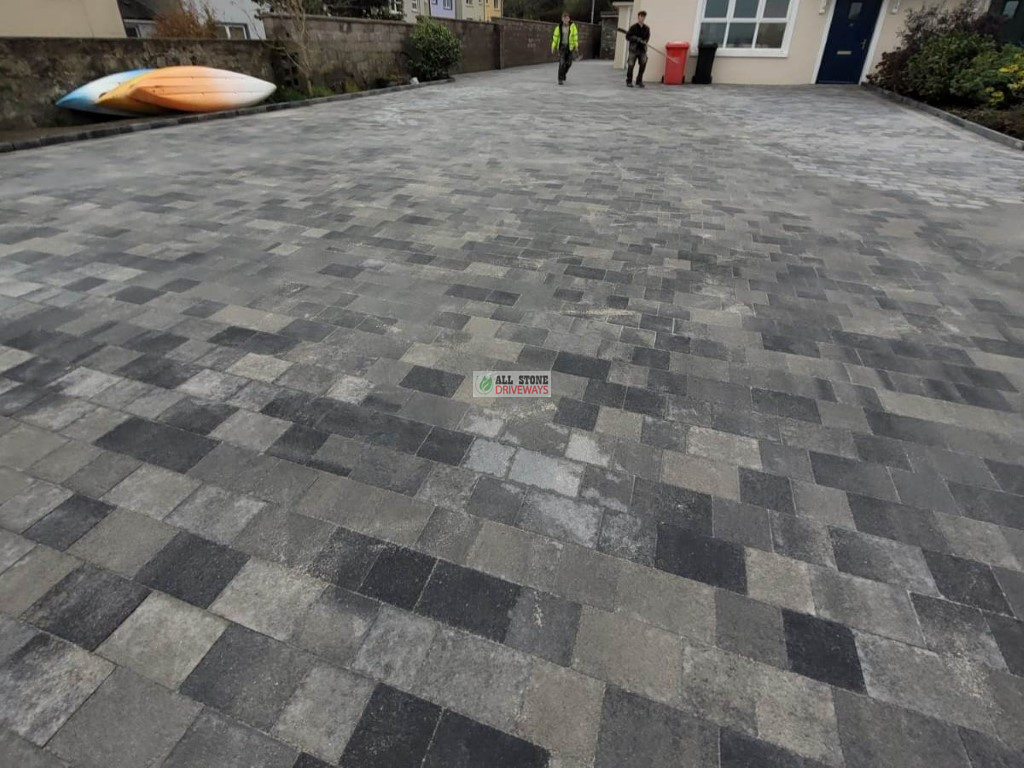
{"x":637,"y":37}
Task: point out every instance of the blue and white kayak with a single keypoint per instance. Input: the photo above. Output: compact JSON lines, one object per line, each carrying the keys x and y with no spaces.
{"x":84,"y":99}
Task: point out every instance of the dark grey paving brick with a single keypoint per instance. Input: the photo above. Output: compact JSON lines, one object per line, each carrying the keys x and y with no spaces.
{"x":68,"y":522}
{"x":822,"y":650}
{"x":395,"y":731}
{"x":86,"y":606}
{"x":986,"y":751}
{"x":749,"y":628}
{"x":737,"y":750}
{"x":214,"y":739}
{"x":432,"y":381}
{"x":459,"y":741}
{"x":956,"y":630}
{"x":1009,"y":635}
{"x":966,"y":581}
{"x":763,"y":490}
{"x":701,"y":558}
{"x":157,"y":444}
{"x":852,"y":476}
{"x":445,"y":446}
{"x":346,"y":558}
{"x":470,"y":600}
{"x":576,"y":413}
{"x":544,"y":625}
{"x":637,"y":731}
{"x":192,"y":569}
{"x":398,"y":576}
{"x":247,"y":676}
{"x":874,"y":733}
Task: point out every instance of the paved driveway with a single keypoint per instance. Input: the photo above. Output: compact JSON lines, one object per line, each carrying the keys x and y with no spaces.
{"x":772,"y":515}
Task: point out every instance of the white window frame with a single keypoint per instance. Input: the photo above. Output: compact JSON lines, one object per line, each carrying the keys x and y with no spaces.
{"x":749,"y":53}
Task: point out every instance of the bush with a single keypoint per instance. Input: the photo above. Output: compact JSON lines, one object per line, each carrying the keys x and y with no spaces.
{"x":995,"y":78}
{"x":433,"y":50}
{"x":922,"y":26}
{"x":932,"y":71}
{"x":184,"y":20}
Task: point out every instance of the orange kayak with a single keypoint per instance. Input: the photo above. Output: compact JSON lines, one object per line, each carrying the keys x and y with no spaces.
{"x":119,"y":99}
{"x":188,"y":89}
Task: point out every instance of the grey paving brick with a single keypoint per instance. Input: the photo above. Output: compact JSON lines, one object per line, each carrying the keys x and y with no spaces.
{"x":43,"y":683}
{"x":128,"y":722}
{"x":214,"y":739}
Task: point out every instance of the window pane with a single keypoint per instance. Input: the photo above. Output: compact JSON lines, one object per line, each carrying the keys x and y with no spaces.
{"x":712,"y":32}
{"x":745,"y":9}
{"x":716,"y":9}
{"x":740,"y":35}
{"x":770,"y":34}
{"x":1010,"y":9}
{"x":776,"y":9}
{"x":855,"y":9}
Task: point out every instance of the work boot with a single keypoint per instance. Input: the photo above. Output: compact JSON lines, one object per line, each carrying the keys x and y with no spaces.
{"x":629,"y":84}
{"x":640,"y":85}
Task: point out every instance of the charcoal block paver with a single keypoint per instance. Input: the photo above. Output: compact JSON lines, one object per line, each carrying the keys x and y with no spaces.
{"x":192,"y":569}
{"x":248,"y":676}
{"x":68,"y":522}
{"x":394,"y":731}
{"x":459,"y":741}
{"x":86,"y":606}
{"x":691,"y":555}
{"x":822,"y":650}
{"x":470,"y":600}
{"x":398,"y":576}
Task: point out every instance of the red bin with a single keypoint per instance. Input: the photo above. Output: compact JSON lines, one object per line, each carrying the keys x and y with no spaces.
{"x":675,"y":62}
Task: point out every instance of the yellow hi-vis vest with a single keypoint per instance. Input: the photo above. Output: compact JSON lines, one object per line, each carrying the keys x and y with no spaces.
{"x":574,"y":37}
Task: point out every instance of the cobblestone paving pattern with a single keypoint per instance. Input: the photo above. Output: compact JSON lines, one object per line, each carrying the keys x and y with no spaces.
{"x":773,"y":516}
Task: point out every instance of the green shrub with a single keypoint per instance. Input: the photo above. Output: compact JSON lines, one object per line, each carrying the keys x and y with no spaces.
{"x":939,"y":60}
{"x":433,"y":50}
{"x":922,"y":26}
{"x":994,"y":78}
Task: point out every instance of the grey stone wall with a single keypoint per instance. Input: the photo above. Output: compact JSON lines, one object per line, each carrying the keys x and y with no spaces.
{"x":36,"y":71}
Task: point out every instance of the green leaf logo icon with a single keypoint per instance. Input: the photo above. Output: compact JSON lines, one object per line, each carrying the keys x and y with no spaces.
{"x":486,"y":382}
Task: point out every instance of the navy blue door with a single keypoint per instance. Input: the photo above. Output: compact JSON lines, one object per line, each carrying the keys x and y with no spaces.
{"x":849,"y":38}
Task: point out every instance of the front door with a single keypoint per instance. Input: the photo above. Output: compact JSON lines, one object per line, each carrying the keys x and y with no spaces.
{"x":849,"y":38}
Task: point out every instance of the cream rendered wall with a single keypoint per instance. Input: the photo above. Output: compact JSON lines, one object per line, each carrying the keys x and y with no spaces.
{"x":625,"y":22}
{"x":60,"y":18}
{"x":678,"y":21}
{"x":892,"y":24}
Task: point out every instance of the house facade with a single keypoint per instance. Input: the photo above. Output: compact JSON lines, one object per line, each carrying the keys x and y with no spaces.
{"x":773,"y":42}
{"x":237,"y":19}
{"x":60,"y":18}
{"x":440,"y":9}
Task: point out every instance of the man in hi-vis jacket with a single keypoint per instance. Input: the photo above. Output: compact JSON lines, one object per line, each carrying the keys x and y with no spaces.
{"x":566,"y":41}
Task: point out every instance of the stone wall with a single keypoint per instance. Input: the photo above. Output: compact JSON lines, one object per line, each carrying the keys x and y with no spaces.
{"x":36,"y":71}
{"x":525,"y":42}
{"x":347,"y":51}
{"x":609,"y":33}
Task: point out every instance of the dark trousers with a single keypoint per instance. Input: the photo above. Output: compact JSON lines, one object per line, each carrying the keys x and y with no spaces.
{"x":632,"y":60}
{"x":564,"y":62}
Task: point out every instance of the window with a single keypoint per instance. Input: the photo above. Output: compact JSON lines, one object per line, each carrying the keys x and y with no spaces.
{"x":234,"y":31}
{"x":139,"y":28}
{"x":747,"y":25}
{"x":1010,"y":9}
{"x":447,"y":4}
